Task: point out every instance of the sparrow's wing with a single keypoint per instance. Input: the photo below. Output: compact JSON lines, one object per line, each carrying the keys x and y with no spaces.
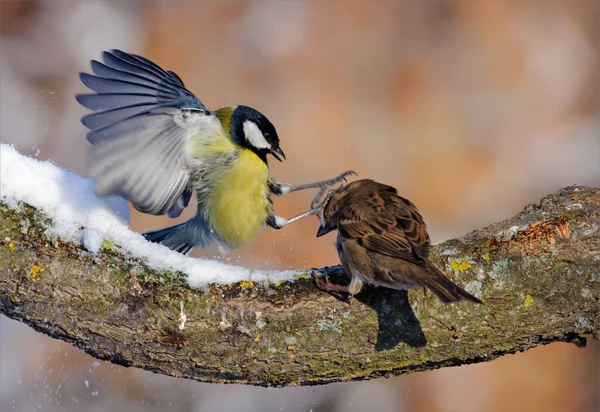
{"x":142,"y":119}
{"x":388,"y":224}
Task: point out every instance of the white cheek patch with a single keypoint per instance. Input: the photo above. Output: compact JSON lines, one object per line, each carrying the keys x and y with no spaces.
{"x":254,"y":136}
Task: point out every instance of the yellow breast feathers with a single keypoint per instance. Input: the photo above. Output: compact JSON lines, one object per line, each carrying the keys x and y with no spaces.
{"x":240,"y":203}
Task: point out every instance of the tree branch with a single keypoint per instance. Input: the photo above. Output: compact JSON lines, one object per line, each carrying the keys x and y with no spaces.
{"x":538,"y":274}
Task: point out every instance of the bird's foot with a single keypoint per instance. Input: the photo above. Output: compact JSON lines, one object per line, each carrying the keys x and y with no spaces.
{"x":328,"y":183}
{"x":340,"y":178}
{"x":340,"y":292}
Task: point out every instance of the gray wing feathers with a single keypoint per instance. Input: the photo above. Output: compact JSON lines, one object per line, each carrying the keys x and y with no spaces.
{"x":147,"y":167}
{"x":127,"y":86}
{"x":106,"y":118}
{"x":138,"y":132}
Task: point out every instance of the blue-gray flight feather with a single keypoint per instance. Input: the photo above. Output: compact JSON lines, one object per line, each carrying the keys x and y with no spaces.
{"x":195,"y":233}
{"x":102,"y":70}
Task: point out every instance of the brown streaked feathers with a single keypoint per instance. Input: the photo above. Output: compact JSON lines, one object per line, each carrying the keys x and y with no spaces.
{"x":382,"y":240}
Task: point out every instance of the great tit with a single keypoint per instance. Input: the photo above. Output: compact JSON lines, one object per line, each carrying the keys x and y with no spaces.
{"x":155,"y":143}
{"x":382,"y":240}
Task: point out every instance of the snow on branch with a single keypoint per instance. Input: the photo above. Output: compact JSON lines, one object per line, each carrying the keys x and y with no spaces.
{"x":71,"y":268}
{"x":68,"y":200}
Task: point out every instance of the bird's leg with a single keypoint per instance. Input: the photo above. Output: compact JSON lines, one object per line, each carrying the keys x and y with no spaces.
{"x":340,"y":292}
{"x":278,"y":222}
{"x":282,"y":189}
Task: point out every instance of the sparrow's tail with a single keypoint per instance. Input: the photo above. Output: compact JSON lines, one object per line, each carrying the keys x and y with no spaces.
{"x":444,"y":288}
{"x":182,"y":238}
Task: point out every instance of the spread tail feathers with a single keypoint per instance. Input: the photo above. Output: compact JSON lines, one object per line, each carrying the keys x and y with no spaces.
{"x":182,"y":238}
{"x":446,"y":290}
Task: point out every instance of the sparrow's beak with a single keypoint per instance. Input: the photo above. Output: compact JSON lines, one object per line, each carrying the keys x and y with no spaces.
{"x":324,"y":229}
{"x":276,"y":152}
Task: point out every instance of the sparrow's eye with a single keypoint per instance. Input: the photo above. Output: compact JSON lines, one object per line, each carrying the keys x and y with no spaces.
{"x":334,"y":208}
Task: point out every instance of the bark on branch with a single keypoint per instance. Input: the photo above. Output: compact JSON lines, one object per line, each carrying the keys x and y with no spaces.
{"x":538,"y":273}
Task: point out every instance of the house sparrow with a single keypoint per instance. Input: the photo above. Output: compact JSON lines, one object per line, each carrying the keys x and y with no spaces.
{"x":383,"y":241}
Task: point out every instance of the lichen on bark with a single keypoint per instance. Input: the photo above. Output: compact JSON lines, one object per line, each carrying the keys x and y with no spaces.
{"x":538,"y":274}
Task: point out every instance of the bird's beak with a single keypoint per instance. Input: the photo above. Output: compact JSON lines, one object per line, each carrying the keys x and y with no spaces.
{"x":324,"y":229}
{"x":276,"y":152}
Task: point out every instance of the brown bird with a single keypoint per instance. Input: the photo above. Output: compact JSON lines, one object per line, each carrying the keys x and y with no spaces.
{"x":383,"y":241}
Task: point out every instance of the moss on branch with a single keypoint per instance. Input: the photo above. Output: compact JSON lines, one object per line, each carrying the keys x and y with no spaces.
{"x":538,"y":273}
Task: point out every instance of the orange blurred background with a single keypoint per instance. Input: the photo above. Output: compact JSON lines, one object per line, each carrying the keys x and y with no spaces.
{"x":471,"y":109}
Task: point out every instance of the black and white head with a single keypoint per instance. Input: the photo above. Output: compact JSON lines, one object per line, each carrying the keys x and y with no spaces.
{"x":253,"y":130}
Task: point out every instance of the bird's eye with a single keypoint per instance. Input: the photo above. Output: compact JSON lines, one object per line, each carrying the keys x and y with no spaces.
{"x":334,"y":208}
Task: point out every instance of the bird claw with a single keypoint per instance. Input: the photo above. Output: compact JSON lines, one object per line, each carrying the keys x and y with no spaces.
{"x":327,"y":183}
{"x":338,"y":179}
{"x":319,"y":282}
{"x":338,"y":291}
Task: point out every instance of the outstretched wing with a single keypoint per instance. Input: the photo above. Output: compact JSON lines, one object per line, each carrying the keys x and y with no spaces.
{"x":142,"y":119}
{"x":388,"y":224}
